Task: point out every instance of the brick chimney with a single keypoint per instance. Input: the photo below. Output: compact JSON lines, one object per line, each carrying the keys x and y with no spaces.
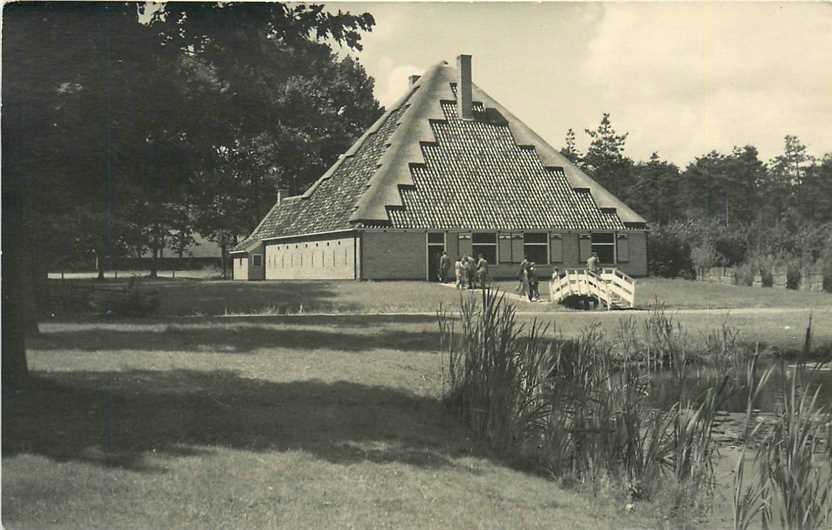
{"x":463,"y":87}
{"x":412,"y":80}
{"x":282,"y":193}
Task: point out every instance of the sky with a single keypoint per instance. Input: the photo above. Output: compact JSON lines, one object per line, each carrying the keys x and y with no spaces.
{"x":682,"y":79}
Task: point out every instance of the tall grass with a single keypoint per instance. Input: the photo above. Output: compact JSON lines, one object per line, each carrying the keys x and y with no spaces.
{"x":496,"y":371}
{"x":789,"y":456}
{"x":578,"y":408}
{"x":750,"y":500}
{"x":795,"y":483}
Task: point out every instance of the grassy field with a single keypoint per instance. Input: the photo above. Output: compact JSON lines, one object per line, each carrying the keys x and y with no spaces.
{"x":317,"y":423}
{"x":209,"y":298}
{"x":185,"y":420}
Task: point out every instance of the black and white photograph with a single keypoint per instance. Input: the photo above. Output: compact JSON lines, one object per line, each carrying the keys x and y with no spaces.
{"x":416,"y":265}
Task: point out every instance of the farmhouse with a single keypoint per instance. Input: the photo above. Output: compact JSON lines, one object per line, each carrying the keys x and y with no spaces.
{"x":446,"y":167}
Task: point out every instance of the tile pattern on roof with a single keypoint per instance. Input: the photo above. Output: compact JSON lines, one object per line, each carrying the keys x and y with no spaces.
{"x":329,"y":207}
{"x":477,"y":177}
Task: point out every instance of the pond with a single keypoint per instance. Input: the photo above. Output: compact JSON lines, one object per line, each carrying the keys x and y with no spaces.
{"x":664,"y":390}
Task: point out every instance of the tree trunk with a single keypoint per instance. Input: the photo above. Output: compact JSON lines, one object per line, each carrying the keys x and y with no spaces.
{"x":38,"y":282}
{"x":224,"y":258}
{"x":154,"y":260}
{"x":15,"y":368}
{"x":14,"y":263}
{"x":99,"y":265}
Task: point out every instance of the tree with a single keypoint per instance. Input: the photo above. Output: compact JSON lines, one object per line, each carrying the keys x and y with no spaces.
{"x":108,"y":122}
{"x":656,"y":190}
{"x":814,"y":196}
{"x":605,"y":160}
{"x":310,"y":102}
{"x":723,"y":187}
{"x":570,"y":150}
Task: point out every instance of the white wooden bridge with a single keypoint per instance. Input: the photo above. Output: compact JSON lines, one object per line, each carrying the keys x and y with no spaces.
{"x":611,"y":287}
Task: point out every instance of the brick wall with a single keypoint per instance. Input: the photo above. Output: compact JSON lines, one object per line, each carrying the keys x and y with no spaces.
{"x":313,"y":258}
{"x":636,"y":266}
{"x":394,"y":256}
{"x":397,"y":256}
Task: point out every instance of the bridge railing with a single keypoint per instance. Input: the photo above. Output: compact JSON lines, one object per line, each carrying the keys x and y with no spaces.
{"x":610,"y":286}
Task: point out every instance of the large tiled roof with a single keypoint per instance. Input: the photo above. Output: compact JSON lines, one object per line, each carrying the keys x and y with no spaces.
{"x":475,"y":176}
{"x":420,"y":166}
{"x":327,"y":206}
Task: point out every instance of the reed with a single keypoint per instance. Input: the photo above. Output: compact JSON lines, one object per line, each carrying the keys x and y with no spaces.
{"x":795,"y":483}
{"x":789,"y":454}
{"x":572,"y":405}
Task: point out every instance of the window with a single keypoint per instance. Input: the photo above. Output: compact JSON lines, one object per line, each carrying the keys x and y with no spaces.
{"x":485,"y":244}
{"x":257,"y":259}
{"x":436,"y":238}
{"x":604,"y":246}
{"x":536,"y":247}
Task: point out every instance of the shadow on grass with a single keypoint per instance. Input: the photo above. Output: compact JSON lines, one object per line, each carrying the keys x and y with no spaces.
{"x":116,"y":419}
{"x":233,"y":338}
{"x":189,"y":297}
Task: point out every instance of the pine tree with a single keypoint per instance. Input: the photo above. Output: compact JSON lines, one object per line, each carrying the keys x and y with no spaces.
{"x":570,"y":150}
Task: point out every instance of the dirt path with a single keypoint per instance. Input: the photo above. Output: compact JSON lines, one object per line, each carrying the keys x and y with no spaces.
{"x":594,"y":313}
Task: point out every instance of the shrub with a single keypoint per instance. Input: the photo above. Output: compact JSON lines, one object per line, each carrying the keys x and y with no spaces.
{"x":669,"y":254}
{"x":133,"y":301}
{"x":745,"y":274}
{"x":704,"y":255}
{"x":793,"y":272}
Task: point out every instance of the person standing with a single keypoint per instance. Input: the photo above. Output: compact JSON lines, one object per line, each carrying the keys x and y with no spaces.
{"x":444,"y":266}
{"x":482,"y":271}
{"x":470,"y":271}
{"x":523,"y":284}
{"x":592,"y":264}
{"x":531,"y":275}
{"x":459,"y":271}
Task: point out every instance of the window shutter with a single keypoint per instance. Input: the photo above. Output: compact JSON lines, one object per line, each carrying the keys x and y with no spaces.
{"x":504,"y":243}
{"x":623,"y":248}
{"x":465,"y":244}
{"x":556,"y":248}
{"x":585,"y":247}
{"x":517,"y":248}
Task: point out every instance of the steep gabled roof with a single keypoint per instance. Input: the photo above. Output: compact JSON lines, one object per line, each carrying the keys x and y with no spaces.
{"x":421,"y":166}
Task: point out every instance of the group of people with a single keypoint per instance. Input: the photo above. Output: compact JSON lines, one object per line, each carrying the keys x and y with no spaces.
{"x":529,"y":283}
{"x":472,"y":272}
{"x":469,"y":272}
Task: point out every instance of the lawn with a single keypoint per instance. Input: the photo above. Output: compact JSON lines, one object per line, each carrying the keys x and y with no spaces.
{"x":189,"y":420}
{"x":317,"y":423}
{"x":688,"y":294}
{"x":187,"y":297}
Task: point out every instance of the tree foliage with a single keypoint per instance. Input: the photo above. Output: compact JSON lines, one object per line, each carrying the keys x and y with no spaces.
{"x":126,"y":131}
{"x":723,"y":208}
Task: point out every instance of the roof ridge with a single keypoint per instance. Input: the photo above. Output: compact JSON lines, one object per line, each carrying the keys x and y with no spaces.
{"x":373,"y":129}
{"x":404,"y":144}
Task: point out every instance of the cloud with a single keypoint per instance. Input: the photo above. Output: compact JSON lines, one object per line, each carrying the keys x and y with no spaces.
{"x":392,"y":81}
{"x":688,"y":78}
